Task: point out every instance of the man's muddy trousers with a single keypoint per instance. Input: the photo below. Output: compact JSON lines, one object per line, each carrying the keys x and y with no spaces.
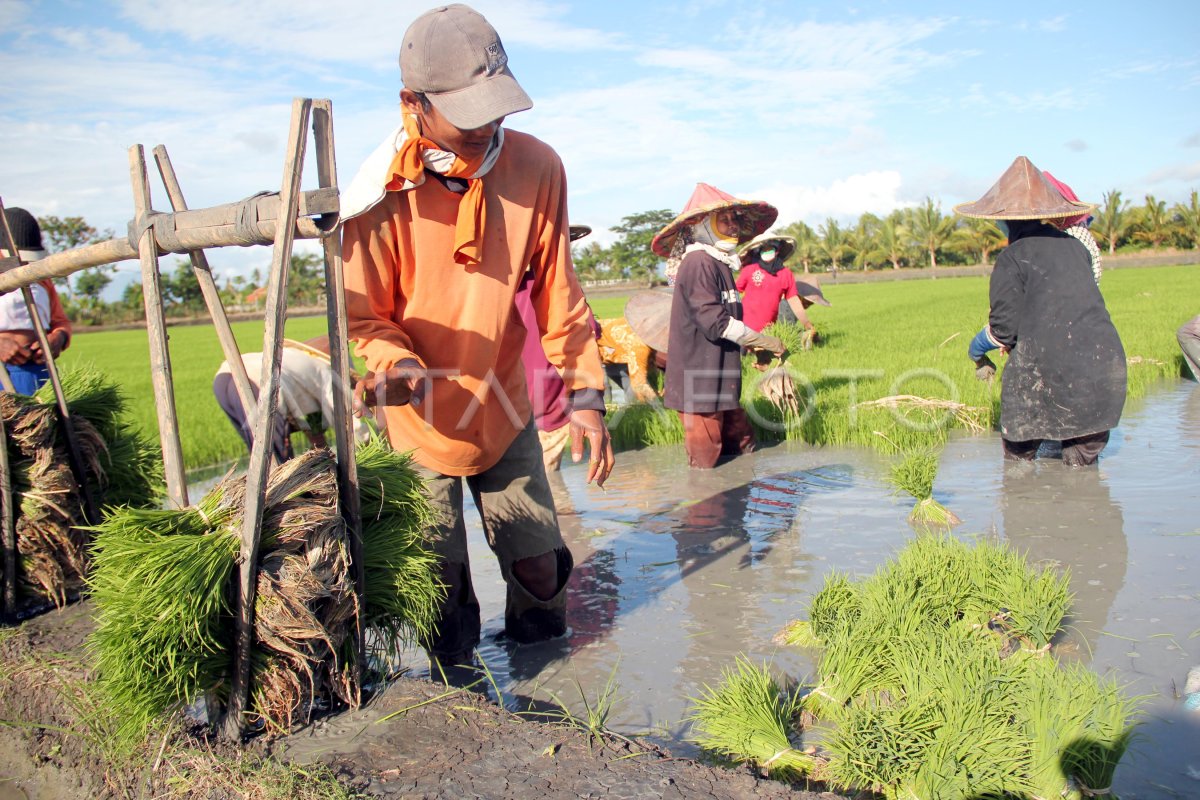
{"x":519,"y":522}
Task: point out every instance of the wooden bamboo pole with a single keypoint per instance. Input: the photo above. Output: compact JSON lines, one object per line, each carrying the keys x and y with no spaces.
{"x":65,"y":417}
{"x":335,"y":309}
{"x":208,"y":288}
{"x":8,"y":533}
{"x":194,"y":230}
{"x":156,"y":324}
{"x":256,"y":472}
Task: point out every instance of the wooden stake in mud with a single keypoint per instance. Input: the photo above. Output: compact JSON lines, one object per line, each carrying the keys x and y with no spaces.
{"x":208,"y":288}
{"x":260,"y":453}
{"x":156,"y":325}
{"x":335,"y":309}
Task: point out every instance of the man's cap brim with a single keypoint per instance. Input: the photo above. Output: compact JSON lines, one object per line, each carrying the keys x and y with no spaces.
{"x":480,"y":103}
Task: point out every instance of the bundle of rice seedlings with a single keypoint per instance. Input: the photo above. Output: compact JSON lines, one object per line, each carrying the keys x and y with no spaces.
{"x":121,"y":467}
{"x":128,"y":469}
{"x":403,"y":586}
{"x":923,"y":700}
{"x":914,"y":474}
{"x":160,"y":585}
{"x":162,"y":582}
{"x":748,"y":718}
{"x":1022,"y":602}
{"x":835,"y":606}
{"x":1078,"y":726}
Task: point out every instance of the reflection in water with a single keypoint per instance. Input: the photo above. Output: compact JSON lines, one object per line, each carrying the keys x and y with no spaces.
{"x":1066,"y":516}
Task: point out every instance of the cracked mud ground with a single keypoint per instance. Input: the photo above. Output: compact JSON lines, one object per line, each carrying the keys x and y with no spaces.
{"x":413,"y":740}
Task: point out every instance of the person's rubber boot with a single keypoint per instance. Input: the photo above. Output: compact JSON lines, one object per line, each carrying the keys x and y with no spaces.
{"x":528,"y":619}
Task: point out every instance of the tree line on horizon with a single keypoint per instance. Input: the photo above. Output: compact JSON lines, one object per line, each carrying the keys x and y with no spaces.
{"x":921,"y":236}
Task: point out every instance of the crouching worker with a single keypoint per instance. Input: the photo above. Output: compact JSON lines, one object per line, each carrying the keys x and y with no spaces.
{"x":704,"y":368}
{"x":442,"y":223}
{"x":306,"y":383}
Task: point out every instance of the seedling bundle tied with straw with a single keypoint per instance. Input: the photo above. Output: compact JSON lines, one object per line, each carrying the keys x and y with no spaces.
{"x":162,"y":583}
{"x":122,"y":468}
{"x":914,"y":474}
{"x":934,"y":680}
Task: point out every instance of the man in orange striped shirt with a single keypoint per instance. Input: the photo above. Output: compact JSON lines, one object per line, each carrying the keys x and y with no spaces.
{"x":441,"y":223}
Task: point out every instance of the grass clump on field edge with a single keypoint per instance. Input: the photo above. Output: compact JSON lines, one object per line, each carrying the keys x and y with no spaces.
{"x":935,"y":679}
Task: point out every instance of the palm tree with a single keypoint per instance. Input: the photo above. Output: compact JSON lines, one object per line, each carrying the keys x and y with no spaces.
{"x":891,"y":243}
{"x":1155,"y":222}
{"x":806,"y":243}
{"x":980,"y":236}
{"x":1189,"y":219}
{"x":861,"y":240}
{"x":832,"y":243}
{"x":1112,"y":220}
{"x":931,"y":230}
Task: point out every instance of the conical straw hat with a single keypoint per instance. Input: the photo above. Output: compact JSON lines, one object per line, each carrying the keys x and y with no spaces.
{"x":649,"y":315}
{"x":786,"y":245}
{"x":811,"y":292}
{"x":1023,"y":193}
{"x":705,"y":200}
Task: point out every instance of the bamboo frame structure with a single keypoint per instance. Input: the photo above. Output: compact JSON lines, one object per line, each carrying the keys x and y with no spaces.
{"x":276,"y":219}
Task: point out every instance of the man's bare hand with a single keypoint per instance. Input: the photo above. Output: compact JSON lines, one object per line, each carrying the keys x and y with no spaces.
{"x":589,"y":424}
{"x":402,"y":384}
{"x":11,"y":351}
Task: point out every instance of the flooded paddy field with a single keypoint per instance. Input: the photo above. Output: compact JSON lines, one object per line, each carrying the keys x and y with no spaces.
{"x":679,"y":571}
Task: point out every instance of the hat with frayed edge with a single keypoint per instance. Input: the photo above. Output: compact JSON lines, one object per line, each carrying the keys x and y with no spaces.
{"x":704,"y":201}
{"x":649,"y":315}
{"x":26,"y":233}
{"x":1023,"y":192}
{"x":784,"y":245}
{"x":453,"y":56}
{"x":812,"y":293}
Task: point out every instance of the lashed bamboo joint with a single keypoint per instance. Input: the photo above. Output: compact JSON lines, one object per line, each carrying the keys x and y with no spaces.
{"x":252,"y":221}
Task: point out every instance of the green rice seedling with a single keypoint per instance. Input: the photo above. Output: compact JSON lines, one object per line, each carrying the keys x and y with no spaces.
{"x":402,"y":584}
{"x":1078,"y":726}
{"x":644,"y":425}
{"x":596,"y":712}
{"x":159,"y":583}
{"x":835,"y":607}
{"x":130,"y":463}
{"x":748,"y":718}
{"x":1021,"y":601}
{"x":914,"y":474}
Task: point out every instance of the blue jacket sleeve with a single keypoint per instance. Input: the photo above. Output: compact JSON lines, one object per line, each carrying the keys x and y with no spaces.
{"x":981,"y":344}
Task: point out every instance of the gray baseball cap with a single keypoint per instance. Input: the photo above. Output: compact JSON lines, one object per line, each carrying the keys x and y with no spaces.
{"x":454,"y":57}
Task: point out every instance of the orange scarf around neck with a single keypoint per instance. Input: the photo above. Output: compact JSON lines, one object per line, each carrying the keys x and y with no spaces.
{"x":408,"y":165}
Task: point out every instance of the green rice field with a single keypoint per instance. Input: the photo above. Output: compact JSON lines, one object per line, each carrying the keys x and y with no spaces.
{"x":881,"y":339}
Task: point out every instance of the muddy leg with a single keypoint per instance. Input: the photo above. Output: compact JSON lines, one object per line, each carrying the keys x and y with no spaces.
{"x":1083,"y":451}
{"x":1020,"y":451}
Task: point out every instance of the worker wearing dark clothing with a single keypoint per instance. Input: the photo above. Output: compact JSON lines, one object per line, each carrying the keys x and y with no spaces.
{"x":1065,"y":379}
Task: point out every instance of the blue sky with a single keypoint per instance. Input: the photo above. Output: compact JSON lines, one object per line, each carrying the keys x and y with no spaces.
{"x":826,"y":109}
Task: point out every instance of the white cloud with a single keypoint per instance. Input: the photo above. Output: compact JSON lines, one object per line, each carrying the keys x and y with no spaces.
{"x":1054,"y":24}
{"x":843,"y":199}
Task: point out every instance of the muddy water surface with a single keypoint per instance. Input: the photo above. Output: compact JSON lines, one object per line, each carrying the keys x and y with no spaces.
{"x":679,"y":571}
